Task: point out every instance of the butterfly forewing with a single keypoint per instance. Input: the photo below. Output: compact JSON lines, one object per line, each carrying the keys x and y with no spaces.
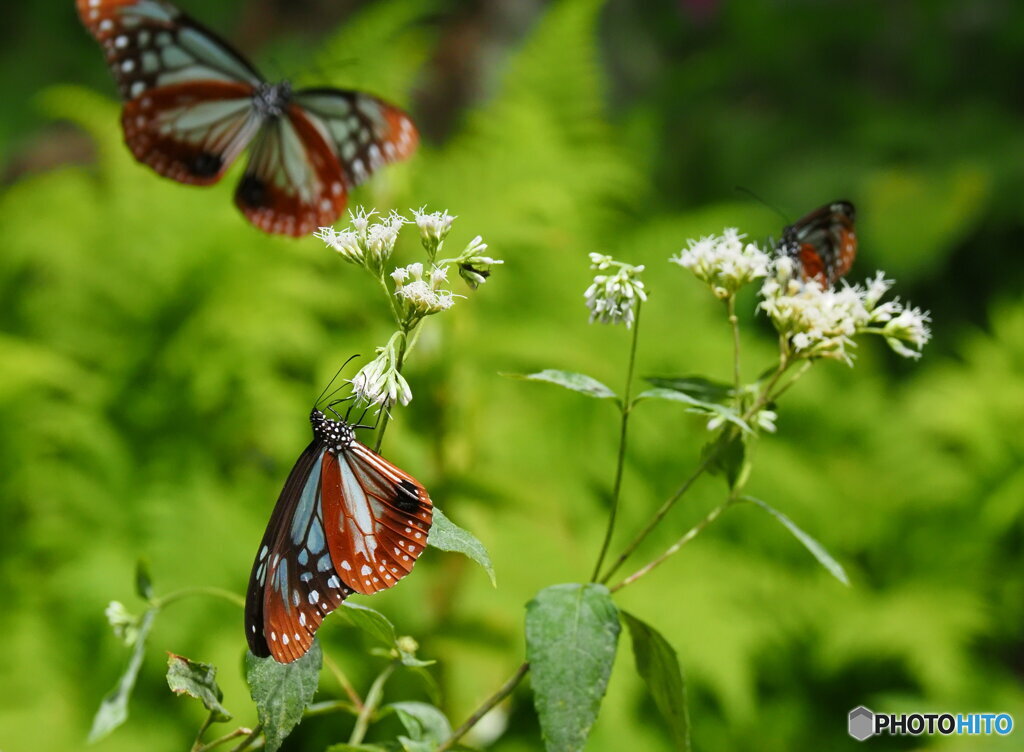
{"x":378,"y":518}
{"x":346,"y":521}
{"x":366,"y":133}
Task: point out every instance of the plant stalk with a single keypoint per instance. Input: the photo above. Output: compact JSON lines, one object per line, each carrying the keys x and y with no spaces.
{"x":504,"y":691}
{"x":373,"y":698}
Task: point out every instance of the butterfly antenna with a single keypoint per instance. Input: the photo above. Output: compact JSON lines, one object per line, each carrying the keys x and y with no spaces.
{"x":333,"y":378}
{"x":758,"y":199}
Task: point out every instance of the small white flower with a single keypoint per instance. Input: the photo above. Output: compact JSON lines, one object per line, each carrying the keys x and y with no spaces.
{"x":819,"y":322}
{"x":422,"y":296}
{"x":434,"y":228}
{"x":345,"y":243}
{"x":766,"y":420}
{"x":379,"y":382}
{"x":474,"y":267}
{"x":613,"y":298}
{"x":724,"y":262}
{"x":124,"y":624}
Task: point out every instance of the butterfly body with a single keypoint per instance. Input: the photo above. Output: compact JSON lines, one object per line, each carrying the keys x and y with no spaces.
{"x":347,"y":521}
{"x":823,"y":243}
{"x":193,"y":105}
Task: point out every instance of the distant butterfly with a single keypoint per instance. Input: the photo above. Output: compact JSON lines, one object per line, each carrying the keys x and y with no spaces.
{"x":347,"y":521}
{"x":193,"y":104}
{"x":823,"y":243}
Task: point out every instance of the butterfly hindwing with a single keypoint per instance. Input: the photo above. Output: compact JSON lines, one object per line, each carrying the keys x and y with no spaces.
{"x":293,"y":585}
{"x":823,"y":243}
{"x":293,"y":183}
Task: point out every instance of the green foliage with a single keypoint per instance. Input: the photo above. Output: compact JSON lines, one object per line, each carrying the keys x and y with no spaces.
{"x":199,"y":680}
{"x":445,"y":535}
{"x":114,"y":708}
{"x":425,"y":725}
{"x":658,"y":665}
{"x":577,"y":382}
{"x":282,"y":691}
{"x":572,"y":632}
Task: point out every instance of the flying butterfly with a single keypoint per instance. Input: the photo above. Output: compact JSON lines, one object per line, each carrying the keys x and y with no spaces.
{"x":193,"y":104}
{"x":347,"y":521}
{"x":823,"y":243}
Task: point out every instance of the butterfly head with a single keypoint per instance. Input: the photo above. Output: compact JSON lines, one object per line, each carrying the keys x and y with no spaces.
{"x":271,"y":100}
{"x":335,"y":433}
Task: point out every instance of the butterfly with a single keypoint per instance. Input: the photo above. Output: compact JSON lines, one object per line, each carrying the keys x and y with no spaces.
{"x":823,"y":243}
{"x":193,"y":104}
{"x":347,"y":521}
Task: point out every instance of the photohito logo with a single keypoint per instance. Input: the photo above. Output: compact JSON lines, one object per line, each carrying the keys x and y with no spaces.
{"x":865,"y":723}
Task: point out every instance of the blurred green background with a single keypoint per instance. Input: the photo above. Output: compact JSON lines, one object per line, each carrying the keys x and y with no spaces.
{"x":158,"y":357}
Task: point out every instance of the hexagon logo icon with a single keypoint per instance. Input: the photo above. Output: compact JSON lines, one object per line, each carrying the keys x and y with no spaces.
{"x":861,"y":723}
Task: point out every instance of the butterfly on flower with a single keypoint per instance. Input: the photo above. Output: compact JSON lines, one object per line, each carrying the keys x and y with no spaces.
{"x":823,"y":244}
{"x":193,"y":104}
{"x":347,"y":521}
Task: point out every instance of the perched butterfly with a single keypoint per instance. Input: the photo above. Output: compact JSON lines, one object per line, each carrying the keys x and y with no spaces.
{"x":823,"y":243}
{"x":193,"y":104}
{"x":347,"y":521}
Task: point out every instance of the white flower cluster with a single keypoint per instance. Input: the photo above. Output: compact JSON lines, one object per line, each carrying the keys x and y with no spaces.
{"x":818,"y":322}
{"x":474,"y":266}
{"x":364,"y":244}
{"x":613,"y":298}
{"x":434,"y":228}
{"x":422,"y":295}
{"x":724,"y":262}
{"x":124,"y":624}
{"x":380,"y":382}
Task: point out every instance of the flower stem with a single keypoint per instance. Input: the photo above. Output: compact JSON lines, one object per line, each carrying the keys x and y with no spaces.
{"x":734,"y":322}
{"x":247,"y":741}
{"x":627,"y":408}
{"x":242,"y":731}
{"x":373,"y":698}
{"x":216,"y":592}
{"x":346,"y":685}
{"x":690,"y":534}
{"x":504,"y":691}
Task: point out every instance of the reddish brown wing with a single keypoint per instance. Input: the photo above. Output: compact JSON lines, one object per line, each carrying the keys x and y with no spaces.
{"x":189,"y":110}
{"x":365,"y":132}
{"x":293,"y":183}
{"x":377,"y":519}
{"x":824,"y":243}
{"x":293,"y":584}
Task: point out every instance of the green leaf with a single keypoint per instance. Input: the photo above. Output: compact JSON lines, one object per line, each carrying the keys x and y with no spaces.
{"x":424,"y":723}
{"x":143,"y":582}
{"x":698,"y":387}
{"x":819,"y":552}
{"x":282,"y":691}
{"x":114,"y":707}
{"x":358,"y":748}
{"x":197,"y":680}
{"x":571,"y":635}
{"x":374,"y":623}
{"x":729,"y":457}
{"x":447,"y":536}
{"x":700,"y":407}
{"x":658,"y":666}
{"x":577,"y":382}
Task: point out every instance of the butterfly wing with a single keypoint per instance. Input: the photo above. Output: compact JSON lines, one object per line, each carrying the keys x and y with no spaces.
{"x":189,"y":96}
{"x":824,"y":242}
{"x":365,"y":132}
{"x":293,"y":183}
{"x":293,"y":584}
{"x":377,"y":518}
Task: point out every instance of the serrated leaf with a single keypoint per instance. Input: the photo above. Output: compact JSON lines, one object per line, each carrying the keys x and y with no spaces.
{"x":698,"y":387}
{"x":282,"y":691}
{"x":816,"y":549}
{"x":571,"y":635}
{"x":724,"y":413}
{"x":445,"y":535}
{"x":577,"y":382}
{"x":113,"y":709}
{"x":658,"y":666}
{"x":423,"y":722}
{"x":143,"y":582}
{"x":729,"y":457}
{"x":199,"y":680}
